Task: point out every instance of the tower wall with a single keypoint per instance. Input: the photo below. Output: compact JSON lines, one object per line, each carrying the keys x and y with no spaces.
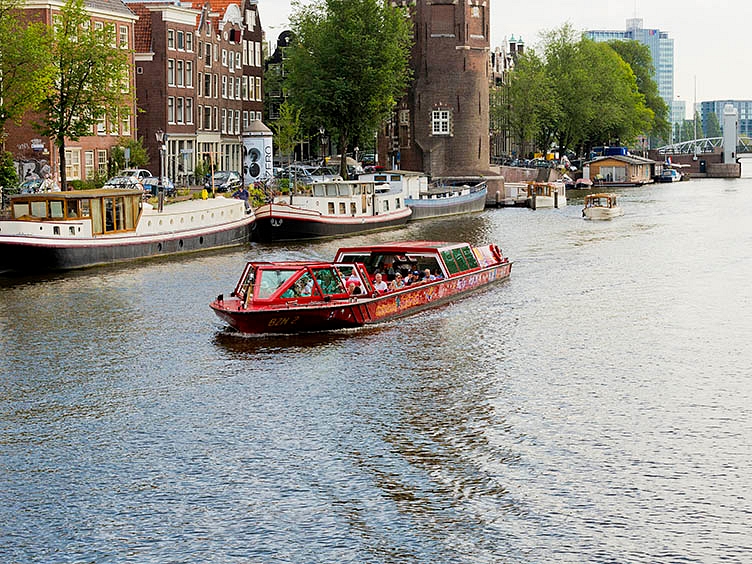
{"x":451,"y":66}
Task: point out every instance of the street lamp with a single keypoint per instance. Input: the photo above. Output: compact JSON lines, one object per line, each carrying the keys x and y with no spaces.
{"x":161,"y":138}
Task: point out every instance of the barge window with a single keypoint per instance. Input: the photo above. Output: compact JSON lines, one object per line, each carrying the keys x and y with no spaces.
{"x":271,"y":280}
{"x":20,"y":210}
{"x":129,"y":209}
{"x":342,"y":208}
{"x":330,"y":208}
{"x":72,"y":208}
{"x":56,"y":209}
{"x":96,"y":216}
{"x":109,"y":215}
{"x":39,"y":209}
{"x":343,"y":189}
{"x":85,"y":209}
{"x":318,"y":190}
{"x":353,"y":208}
{"x":331,"y":189}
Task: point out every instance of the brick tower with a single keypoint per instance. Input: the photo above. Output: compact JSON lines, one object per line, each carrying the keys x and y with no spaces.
{"x":441,"y":126}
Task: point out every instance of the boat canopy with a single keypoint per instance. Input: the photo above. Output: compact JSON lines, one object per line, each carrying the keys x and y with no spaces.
{"x":600,"y":200}
{"x":109,"y":210}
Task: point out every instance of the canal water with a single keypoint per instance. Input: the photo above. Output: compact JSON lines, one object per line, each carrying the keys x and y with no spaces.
{"x":597,"y":407}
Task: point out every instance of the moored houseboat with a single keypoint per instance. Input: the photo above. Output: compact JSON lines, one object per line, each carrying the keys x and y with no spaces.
{"x":295,"y":296}
{"x":329,"y":209}
{"x":437,"y":199}
{"x":51,"y":231}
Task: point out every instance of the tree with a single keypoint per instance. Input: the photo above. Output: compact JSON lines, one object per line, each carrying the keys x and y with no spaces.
{"x":638,"y":56}
{"x":287,"y":129}
{"x":91,"y":81}
{"x":25,"y":66}
{"x":8,"y":175}
{"x":137,"y":158}
{"x":713,"y":126}
{"x":347,"y":66}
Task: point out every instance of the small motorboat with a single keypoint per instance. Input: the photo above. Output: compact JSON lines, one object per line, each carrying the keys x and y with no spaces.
{"x":295,"y":296}
{"x":601,"y":206}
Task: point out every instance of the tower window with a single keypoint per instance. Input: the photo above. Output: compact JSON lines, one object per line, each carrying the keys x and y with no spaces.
{"x":440,"y":122}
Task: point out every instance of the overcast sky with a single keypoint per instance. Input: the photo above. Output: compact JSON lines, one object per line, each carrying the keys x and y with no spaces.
{"x":712,"y":42}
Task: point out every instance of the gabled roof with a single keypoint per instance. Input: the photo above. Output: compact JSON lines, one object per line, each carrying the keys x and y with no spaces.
{"x":112,"y":6}
{"x":142,"y":29}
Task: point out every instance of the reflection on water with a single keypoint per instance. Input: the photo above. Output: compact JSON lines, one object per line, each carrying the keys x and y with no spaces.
{"x":594,"y":408}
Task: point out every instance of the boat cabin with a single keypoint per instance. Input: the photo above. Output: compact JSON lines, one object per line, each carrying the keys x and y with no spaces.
{"x":107,"y":210}
{"x":444,"y":260}
{"x":600,"y":201}
{"x":351,"y":198}
{"x":293,"y":283}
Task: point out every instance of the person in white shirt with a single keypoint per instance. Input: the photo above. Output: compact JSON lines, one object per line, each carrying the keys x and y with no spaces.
{"x":379,"y":284}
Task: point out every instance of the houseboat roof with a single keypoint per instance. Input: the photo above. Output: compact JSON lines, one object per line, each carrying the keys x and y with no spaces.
{"x":629,"y":159}
{"x":79,"y":194}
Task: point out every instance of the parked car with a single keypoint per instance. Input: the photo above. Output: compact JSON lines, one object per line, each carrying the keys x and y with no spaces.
{"x":139,"y":173}
{"x":123,"y":182}
{"x":323,"y":173}
{"x":151,"y":186}
{"x":224,"y":181}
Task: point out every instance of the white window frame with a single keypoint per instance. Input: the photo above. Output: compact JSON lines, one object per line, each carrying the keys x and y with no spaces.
{"x":441,"y":122}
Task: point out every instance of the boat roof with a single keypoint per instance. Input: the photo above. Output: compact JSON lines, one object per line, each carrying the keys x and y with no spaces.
{"x":78,"y":194}
{"x":600,"y":195}
{"x":403,"y":247}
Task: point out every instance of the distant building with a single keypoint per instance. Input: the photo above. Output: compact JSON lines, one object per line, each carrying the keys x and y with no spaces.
{"x":441,"y":127}
{"x":742,"y":107}
{"x":88,"y":157}
{"x":503,"y":60}
{"x":661,"y":49}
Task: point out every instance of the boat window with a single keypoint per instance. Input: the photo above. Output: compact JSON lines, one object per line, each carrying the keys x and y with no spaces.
{"x":383,"y":178}
{"x":367,"y":188}
{"x":330,"y":208}
{"x":356,"y":190}
{"x":343,"y":189}
{"x":96,"y":216}
{"x":318,"y":190}
{"x":331,"y":189}
{"x":271,"y":280}
{"x":397,"y":203}
{"x":395,"y":178}
{"x":329,"y":281}
{"x":120,"y":213}
{"x":472,"y":262}
{"x":385,"y":206}
{"x":342,"y":208}
{"x":459,"y":258}
{"x":353,"y":208}
{"x":302,"y":287}
{"x":39,"y":209}
{"x":109,"y":214}
{"x":56,"y":209}
{"x":20,"y":210}
{"x":72,"y":208}
{"x":129,"y":220}
{"x":85,"y":209}
{"x":451,"y":265}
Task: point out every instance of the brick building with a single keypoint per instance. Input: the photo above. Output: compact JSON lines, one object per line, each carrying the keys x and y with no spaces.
{"x":442,"y":126}
{"x":89,"y":156}
{"x":199,"y":79}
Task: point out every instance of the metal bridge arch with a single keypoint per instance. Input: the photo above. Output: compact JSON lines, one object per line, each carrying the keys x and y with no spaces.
{"x":707,"y":145}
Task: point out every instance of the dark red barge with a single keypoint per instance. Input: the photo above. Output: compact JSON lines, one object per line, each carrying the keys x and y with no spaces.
{"x":295,"y":296}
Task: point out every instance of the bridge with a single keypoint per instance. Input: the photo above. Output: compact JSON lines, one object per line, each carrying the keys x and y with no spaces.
{"x":707,"y":145}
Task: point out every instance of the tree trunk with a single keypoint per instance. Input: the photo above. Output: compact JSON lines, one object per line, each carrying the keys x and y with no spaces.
{"x":61,"y":154}
{"x":343,"y":155}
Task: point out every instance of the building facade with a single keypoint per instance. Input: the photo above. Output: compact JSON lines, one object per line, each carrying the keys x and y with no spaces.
{"x":199,"y":80}
{"x":743,"y":110}
{"x":442,"y":126}
{"x":661,"y":49}
{"x":87,"y":158}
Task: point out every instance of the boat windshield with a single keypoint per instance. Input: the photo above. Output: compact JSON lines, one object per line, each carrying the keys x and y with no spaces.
{"x":271,"y":280}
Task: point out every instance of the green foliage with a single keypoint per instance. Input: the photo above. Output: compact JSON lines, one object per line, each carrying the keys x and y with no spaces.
{"x":287,"y":129}
{"x":91,"y":80}
{"x":577,"y":93}
{"x":26,"y":71}
{"x":8,"y":175}
{"x":638,"y":56}
{"x":138,"y":157}
{"x":713,"y":126}
{"x":347,"y":65}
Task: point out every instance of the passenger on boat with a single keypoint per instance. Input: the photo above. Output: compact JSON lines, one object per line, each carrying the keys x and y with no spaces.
{"x":398,"y":283}
{"x":379,"y":284}
{"x":353,"y":290}
{"x":427,"y":276}
{"x":353,"y":279}
{"x":411,"y":278}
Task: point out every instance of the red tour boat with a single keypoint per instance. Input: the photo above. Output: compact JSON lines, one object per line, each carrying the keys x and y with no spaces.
{"x":296,"y":296}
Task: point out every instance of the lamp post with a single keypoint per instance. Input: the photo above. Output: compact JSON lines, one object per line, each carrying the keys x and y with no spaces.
{"x":161,"y":138}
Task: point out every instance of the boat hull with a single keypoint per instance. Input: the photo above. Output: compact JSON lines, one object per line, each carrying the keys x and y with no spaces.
{"x":279,"y":222}
{"x":29,"y":254}
{"x":602,"y":213}
{"x":356,"y":312}
{"x":426,"y":208}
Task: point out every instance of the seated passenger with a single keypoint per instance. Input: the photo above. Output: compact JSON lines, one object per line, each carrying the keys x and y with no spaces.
{"x":398,"y":283}
{"x":378,"y":283}
{"x":427,"y":276}
{"x":353,"y":290}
